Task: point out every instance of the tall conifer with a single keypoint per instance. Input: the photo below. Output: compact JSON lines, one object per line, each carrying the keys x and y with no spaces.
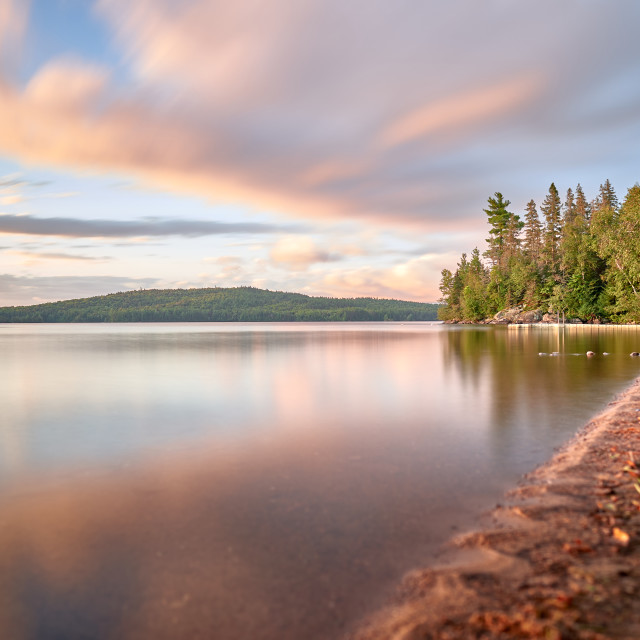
{"x":551,"y":208}
{"x":532,"y":232}
{"x":583,"y":210}
{"x":569,"y":209}
{"x":498,"y":217}
{"x":607,"y":196}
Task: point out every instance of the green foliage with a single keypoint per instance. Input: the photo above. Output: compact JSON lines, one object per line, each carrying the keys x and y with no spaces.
{"x":551,"y":209}
{"x":241,"y":304}
{"x":532,"y":233}
{"x":584,"y":261}
{"x":503,"y":234}
{"x":618,"y":232}
{"x":450,"y":295}
{"x":473,"y":302}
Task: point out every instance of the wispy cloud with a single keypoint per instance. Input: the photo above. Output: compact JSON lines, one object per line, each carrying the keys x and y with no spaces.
{"x":454,"y":115}
{"x":146,"y":227}
{"x":8,"y":200}
{"x":13,"y":21}
{"x":414,"y":279}
{"x":298,"y":253}
{"x":16,"y":189}
{"x":38,"y":256}
{"x":19,"y":290}
{"x":398,"y":125}
{"x":404,"y":116}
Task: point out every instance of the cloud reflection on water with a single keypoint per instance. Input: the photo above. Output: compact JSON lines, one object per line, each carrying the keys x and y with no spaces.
{"x":260,"y":481}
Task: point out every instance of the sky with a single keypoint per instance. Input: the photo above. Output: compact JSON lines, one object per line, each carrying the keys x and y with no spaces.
{"x":320,"y":146}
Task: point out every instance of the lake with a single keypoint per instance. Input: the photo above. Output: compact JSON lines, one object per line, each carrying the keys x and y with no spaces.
{"x":264,"y":481}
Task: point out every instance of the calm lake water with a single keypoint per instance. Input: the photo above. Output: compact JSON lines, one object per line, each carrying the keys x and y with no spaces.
{"x":259,"y":481}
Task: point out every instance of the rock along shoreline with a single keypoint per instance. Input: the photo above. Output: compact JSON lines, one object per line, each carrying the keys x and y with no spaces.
{"x":519,"y":317}
{"x":560,"y":559}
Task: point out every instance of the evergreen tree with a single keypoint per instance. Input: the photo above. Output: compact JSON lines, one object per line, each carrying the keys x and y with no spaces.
{"x":583,"y":210}
{"x":580,"y":266}
{"x":607,"y":197}
{"x":448,"y":288}
{"x":584,"y":261}
{"x":473,"y":303}
{"x":569,"y":209}
{"x":618,"y":243}
{"x":551,"y":209}
{"x":498,"y":217}
{"x":532,"y":233}
{"x":512,"y":242}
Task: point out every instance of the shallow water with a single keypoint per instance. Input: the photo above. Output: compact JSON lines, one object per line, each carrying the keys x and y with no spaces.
{"x":259,"y":481}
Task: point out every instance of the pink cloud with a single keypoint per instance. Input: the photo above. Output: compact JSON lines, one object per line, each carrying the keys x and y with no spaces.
{"x":414,"y":279}
{"x":297,"y":253}
{"x":304,"y":107}
{"x":68,"y":86}
{"x":459,"y":112}
{"x":13,"y":22}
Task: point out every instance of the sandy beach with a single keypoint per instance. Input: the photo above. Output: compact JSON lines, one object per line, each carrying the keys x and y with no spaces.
{"x":560,"y":558}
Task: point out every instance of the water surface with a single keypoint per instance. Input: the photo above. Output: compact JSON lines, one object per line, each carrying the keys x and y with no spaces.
{"x":236,"y":481}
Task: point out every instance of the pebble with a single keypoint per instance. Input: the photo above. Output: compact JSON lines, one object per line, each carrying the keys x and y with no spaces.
{"x":590,"y":353}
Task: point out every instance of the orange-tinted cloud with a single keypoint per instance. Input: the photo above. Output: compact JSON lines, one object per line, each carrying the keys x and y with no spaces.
{"x":13,"y":21}
{"x":304,"y":107}
{"x":298,"y":253}
{"x":414,"y":279}
{"x":32,"y":257}
{"x":460,"y":112}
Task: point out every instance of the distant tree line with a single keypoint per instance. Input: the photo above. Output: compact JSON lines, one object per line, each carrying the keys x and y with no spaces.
{"x":240,"y":304}
{"x":579,"y":258}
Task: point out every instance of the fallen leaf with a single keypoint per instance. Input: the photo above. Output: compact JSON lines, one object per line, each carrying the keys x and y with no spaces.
{"x":621,"y":536}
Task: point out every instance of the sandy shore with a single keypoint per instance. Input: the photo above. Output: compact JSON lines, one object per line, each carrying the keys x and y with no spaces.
{"x":560,"y":559}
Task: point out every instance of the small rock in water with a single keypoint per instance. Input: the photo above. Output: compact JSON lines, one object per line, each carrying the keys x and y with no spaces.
{"x":634,"y":354}
{"x":604,"y":353}
{"x":590,"y":353}
{"x":542,"y":353}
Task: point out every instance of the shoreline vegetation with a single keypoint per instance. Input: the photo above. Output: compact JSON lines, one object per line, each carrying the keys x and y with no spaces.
{"x":579,"y":264}
{"x":217,"y":304}
{"x":559,"y":559}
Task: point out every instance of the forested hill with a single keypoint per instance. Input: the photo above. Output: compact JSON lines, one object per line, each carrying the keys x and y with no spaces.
{"x":581,"y":260}
{"x":241,"y":304}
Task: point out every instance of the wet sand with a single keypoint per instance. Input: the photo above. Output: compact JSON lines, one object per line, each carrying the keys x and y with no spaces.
{"x":559,"y":559}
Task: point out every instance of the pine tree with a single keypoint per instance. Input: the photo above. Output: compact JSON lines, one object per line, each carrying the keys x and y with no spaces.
{"x":451,"y":308}
{"x":607,"y":197}
{"x":532,"y":233}
{"x":551,"y":208}
{"x":451,"y":287}
{"x":512,"y":242}
{"x":498,"y":217}
{"x":583,"y":210}
{"x":619,"y":245}
{"x":569,"y":209}
{"x":579,"y":283}
{"x":584,"y":259}
{"x":474,"y":299}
